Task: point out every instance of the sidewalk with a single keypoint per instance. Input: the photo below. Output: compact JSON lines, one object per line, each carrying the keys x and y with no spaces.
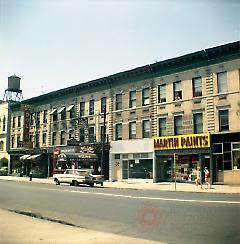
{"x":145,"y":185}
{"x":17,"y":228}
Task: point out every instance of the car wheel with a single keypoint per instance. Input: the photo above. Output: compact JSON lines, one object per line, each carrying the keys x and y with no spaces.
{"x":75,"y":183}
{"x":91,"y":184}
{"x":57,"y":182}
{"x":101,"y":183}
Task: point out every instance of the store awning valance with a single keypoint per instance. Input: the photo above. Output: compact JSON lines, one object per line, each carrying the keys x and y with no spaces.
{"x":24,"y":157}
{"x":53,"y":111}
{"x":77,"y":156}
{"x":61,"y":109}
{"x":69,"y":108}
{"x":34,"y":156}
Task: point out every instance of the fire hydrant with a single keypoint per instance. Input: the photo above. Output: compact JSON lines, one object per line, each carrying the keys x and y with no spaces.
{"x":30,"y":176}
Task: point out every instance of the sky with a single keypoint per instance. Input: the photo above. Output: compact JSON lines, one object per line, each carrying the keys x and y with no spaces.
{"x":53,"y":44}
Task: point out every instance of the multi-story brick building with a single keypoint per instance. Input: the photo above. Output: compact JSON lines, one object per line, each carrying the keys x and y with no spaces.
{"x":189,"y":105}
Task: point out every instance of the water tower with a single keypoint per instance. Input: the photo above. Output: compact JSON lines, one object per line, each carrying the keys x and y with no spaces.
{"x":13,"y":93}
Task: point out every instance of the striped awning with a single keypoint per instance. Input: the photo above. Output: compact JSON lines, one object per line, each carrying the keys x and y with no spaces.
{"x":61,"y":109}
{"x":69,"y":108}
{"x":53,"y":111}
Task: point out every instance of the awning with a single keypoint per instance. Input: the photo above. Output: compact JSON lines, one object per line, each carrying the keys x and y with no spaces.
{"x":53,"y":111}
{"x":34,"y":156}
{"x":69,"y":108}
{"x":78,"y":156}
{"x":24,"y":157}
{"x":61,"y":109}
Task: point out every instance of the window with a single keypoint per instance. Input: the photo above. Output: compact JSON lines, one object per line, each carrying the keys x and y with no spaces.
{"x":162,"y":93}
{"x":118,"y":132}
{"x":146,"y":128}
{"x":32,"y":119}
{"x":197,"y":123}
{"x":12,"y":141}
{"x":54,"y":115}
{"x":178,"y":125}
{"x":18,"y":141}
{"x":102,"y":132}
{"x":4,"y":124}
{"x":145,"y":96}
{"x":132,"y":99}
{"x":54,"y":138}
{"x":177,"y":90}
{"x":223,"y":120}
{"x":62,"y":138}
{"x":19,"y":121}
{"x":222,"y":82}
{"x":63,"y":113}
{"x":44,"y":116}
{"x":91,"y":136}
{"x":82,"y":109}
{"x":13,"y":122}
{"x":162,"y":127}
{"x":103,"y":104}
{"x":197,"y":86}
{"x":37,"y":119}
{"x":72,"y":113}
{"x":71,"y":134}
{"x":118,"y":101}
{"x":37,"y":140}
{"x":1,"y":145}
{"x":91,"y":107}
{"x":132,"y":130}
{"x":82,"y":135}
{"x":44,"y":138}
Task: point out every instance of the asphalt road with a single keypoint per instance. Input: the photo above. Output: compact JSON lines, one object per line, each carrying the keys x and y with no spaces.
{"x":171,"y":217}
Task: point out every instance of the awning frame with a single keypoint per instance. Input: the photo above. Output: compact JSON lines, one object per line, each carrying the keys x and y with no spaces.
{"x":61,"y":109}
{"x":53,"y":111}
{"x":70,"y":107}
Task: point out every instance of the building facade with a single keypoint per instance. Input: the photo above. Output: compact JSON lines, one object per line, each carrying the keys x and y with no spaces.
{"x":162,"y":120}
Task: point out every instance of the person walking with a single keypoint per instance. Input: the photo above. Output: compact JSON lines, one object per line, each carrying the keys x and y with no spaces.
{"x":207,"y":178}
{"x":199,"y":177}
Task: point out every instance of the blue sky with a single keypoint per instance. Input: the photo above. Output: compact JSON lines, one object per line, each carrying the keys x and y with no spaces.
{"x":52,"y":44}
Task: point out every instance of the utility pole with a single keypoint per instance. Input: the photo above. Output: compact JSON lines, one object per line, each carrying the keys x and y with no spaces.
{"x":103,"y":142}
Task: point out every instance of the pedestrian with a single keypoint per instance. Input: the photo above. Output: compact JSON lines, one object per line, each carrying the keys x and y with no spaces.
{"x":30,"y":176}
{"x":199,"y":177}
{"x":207,"y":177}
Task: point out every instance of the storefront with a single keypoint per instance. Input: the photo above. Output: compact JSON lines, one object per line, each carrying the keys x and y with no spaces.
{"x":131,"y":159}
{"x":180,"y":156}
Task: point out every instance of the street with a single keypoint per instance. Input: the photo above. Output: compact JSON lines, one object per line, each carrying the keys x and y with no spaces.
{"x":171,"y":217}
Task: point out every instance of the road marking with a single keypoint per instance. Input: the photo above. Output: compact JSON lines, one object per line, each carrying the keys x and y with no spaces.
{"x":145,"y":198}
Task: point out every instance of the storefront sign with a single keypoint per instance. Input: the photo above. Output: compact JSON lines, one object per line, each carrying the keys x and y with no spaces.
{"x":26,"y":123}
{"x":182,"y":141}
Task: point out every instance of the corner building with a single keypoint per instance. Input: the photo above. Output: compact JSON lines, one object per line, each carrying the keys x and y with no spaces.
{"x":162,"y":120}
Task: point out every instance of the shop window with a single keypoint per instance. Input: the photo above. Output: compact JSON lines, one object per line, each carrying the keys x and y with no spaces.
{"x":222,"y":82}
{"x":132,"y":99}
{"x":54,"y":138}
{"x":217,"y":148}
{"x":91,"y":107}
{"x":132,"y":130}
{"x":145,"y":96}
{"x":82,"y":109}
{"x":125,"y":156}
{"x":103,"y":104}
{"x":178,"y":125}
{"x":118,"y":101}
{"x":162,"y":127}
{"x":223,"y":120}
{"x":197,"y":123}
{"x":19,"y":121}
{"x":177,"y":90}
{"x":82,"y":135}
{"x":197,"y":86}
{"x":116,"y":156}
{"x":236,"y":155}
{"x":118,"y":131}
{"x":162,"y":93}
{"x":144,"y":155}
{"x":140,"y":169}
{"x":146,"y":128}
{"x":136,"y":155}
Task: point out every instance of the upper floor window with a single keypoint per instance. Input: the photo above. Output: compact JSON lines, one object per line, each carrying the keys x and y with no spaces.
{"x":37,"y":118}
{"x":177,"y":90}
{"x":91,"y":136}
{"x":198,"y":123}
{"x":54,"y":138}
{"x":32,"y":119}
{"x":44,"y":138}
{"x":63,"y":138}
{"x":19,"y":121}
{"x":13,"y":122}
{"x":132,"y":130}
{"x":82,"y":109}
{"x":118,"y":101}
{"x":91,"y":107}
{"x":223,"y":120}
{"x":162,"y":127}
{"x":54,"y":114}
{"x":1,"y":145}
{"x":4,"y":123}
{"x":197,"y":86}
{"x":44,"y":116}
{"x":118,"y":132}
{"x":62,"y":112}
{"x":18,"y":141}
{"x":146,"y":128}
{"x":81,"y":135}
{"x":71,"y":111}
{"x":103,"y":104}
{"x":222,"y":81}
{"x":132,"y":99}
{"x":145,"y":96}
{"x":12,"y":141}
{"x":37,"y":142}
{"x":71,"y":134}
{"x":178,"y":125}
{"x":162,"y":93}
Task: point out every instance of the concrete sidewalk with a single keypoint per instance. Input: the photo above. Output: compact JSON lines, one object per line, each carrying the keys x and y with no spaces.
{"x":17,"y":228}
{"x":145,"y":185}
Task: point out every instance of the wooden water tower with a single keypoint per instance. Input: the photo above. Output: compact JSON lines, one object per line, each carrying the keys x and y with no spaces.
{"x":13,"y":93}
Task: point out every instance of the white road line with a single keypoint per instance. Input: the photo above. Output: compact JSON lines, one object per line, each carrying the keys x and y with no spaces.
{"x":145,"y":198}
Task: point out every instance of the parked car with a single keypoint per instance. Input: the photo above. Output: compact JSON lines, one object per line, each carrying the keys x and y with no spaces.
{"x":78,"y":176}
{"x":4,"y":171}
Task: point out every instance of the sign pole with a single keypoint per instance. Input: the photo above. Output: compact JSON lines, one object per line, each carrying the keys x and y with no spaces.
{"x":175,"y":178}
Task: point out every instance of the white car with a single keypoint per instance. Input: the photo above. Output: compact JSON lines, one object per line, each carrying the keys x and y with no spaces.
{"x":78,"y":176}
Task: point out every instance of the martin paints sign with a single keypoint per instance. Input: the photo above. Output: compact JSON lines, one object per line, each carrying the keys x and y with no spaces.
{"x":182,"y":141}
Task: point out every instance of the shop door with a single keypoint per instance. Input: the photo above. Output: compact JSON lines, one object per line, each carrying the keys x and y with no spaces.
{"x":125,"y":169}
